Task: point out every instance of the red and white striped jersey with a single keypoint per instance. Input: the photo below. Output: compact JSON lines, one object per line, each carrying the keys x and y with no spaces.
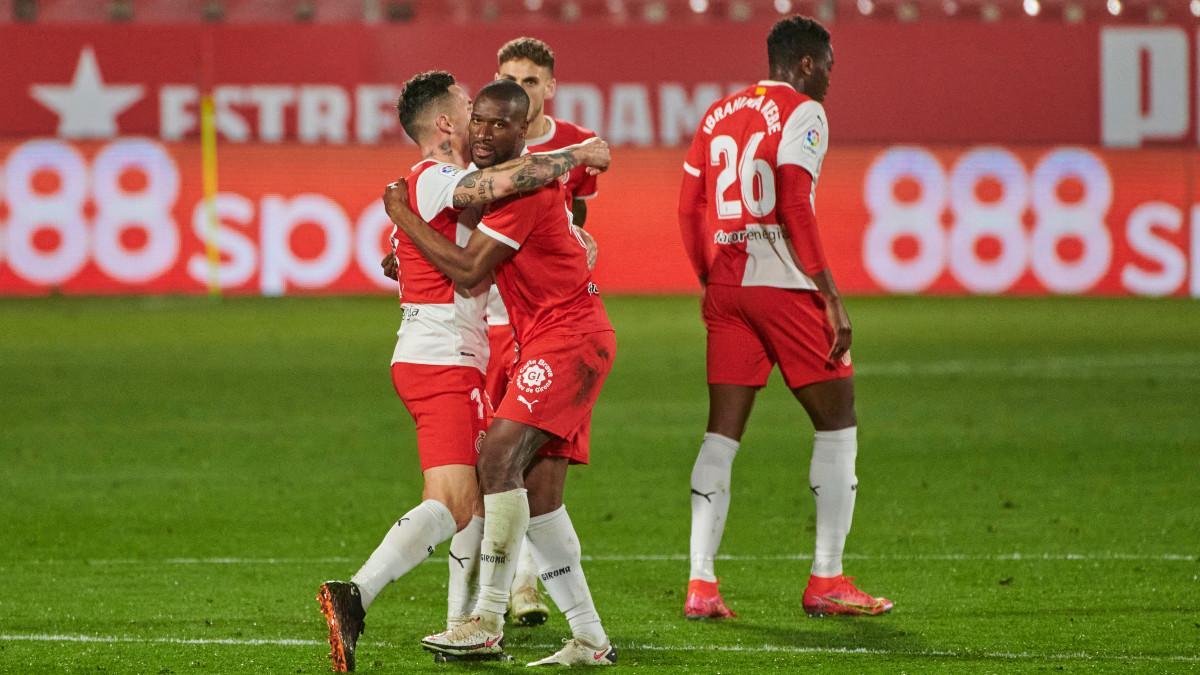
{"x":440,"y":326}
{"x":738,"y":148}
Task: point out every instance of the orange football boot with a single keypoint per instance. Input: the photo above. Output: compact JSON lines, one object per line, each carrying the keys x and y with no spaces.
{"x":704,"y":601}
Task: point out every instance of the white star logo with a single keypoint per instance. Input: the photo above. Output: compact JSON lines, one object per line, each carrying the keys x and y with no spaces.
{"x":86,"y":107}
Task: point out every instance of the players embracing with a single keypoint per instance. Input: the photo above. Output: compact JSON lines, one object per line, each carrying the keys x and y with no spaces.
{"x":441,"y":353}
{"x":769,"y":298}
{"x":530,"y":63}
{"x":566,"y":348}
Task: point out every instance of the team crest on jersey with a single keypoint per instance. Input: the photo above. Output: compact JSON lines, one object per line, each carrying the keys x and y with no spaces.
{"x":535,"y":376}
{"x":812,"y":138}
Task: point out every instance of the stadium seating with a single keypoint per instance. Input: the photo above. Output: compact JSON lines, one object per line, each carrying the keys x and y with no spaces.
{"x":653,"y":11}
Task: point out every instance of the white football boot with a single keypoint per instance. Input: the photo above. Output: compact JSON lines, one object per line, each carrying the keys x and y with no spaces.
{"x":525,"y":606}
{"x":466,"y":639}
{"x":576,"y":653}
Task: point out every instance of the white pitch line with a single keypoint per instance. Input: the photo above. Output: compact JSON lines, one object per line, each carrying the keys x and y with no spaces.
{"x":649,"y":557}
{"x":934,"y":653}
{"x":118,"y":639}
{"x":765,"y":648}
{"x":1050,"y":367}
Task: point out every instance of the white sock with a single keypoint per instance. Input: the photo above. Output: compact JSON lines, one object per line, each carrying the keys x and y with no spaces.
{"x":711,"y":477}
{"x":834,"y":486}
{"x":556,"y":547}
{"x":406,"y":545}
{"x":462,"y":589}
{"x":506,"y":516}
{"x":527,"y":569}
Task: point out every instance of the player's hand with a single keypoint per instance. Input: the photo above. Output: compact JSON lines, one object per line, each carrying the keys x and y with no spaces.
{"x":391,"y":267}
{"x":589,"y":242}
{"x":395,"y":199}
{"x":840,"y":320}
{"x":593,"y":153}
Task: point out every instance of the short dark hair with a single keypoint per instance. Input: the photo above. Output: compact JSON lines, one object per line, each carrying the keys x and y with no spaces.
{"x":421,"y":90}
{"x":793,"y":38}
{"x":529,"y":48}
{"x":506,"y":91}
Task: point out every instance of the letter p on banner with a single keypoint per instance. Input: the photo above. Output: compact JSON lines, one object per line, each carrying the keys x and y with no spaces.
{"x":1134,"y":109}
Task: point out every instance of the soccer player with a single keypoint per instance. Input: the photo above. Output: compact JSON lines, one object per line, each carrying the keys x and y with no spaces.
{"x":441,"y":354}
{"x":530,"y":63}
{"x":769,"y":298}
{"x":566,"y":348}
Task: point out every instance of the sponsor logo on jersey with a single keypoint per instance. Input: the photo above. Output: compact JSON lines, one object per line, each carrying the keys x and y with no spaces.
{"x":812,"y":138}
{"x":535,"y":376}
{"x":448,"y":170}
{"x":741,"y":236}
{"x":593,"y":289}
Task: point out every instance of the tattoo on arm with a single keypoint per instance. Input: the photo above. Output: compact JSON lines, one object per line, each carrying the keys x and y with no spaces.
{"x":487,"y":190}
{"x":543,"y":168}
{"x":520,"y":175}
{"x":464,"y":193}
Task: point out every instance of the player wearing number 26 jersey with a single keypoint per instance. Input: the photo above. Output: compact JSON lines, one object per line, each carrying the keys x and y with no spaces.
{"x":749,"y":192}
{"x":758,"y":155}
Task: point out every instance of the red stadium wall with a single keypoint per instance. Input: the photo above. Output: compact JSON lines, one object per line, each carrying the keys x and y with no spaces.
{"x":639,"y":85}
{"x":126,"y":216}
{"x":1088,"y":183}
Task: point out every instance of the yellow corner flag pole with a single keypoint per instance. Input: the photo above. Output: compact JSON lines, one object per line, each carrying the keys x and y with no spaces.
{"x":208,"y":159}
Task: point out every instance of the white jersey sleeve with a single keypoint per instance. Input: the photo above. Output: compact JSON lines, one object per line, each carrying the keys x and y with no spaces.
{"x":435,"y":189}
{"x":805,"y":138}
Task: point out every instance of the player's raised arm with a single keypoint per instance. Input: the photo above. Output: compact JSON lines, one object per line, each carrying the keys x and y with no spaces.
{"x":466,"y":267}
{"x":528,"y":172}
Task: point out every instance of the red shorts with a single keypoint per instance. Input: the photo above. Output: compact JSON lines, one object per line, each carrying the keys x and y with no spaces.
{"x":504,"y":354}
{"x":554,"y":387}
{"x":751,"y":328}
{"x":449,"y":406}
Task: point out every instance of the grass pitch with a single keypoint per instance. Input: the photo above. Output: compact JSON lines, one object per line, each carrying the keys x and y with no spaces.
{"x":178,"y":475}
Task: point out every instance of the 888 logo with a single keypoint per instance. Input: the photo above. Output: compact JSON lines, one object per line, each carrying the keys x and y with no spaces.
{"x":129,"y":191}
{"x":988,"y":246}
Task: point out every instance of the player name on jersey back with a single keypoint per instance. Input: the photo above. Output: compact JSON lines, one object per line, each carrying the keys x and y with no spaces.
{"x":741,"y":142}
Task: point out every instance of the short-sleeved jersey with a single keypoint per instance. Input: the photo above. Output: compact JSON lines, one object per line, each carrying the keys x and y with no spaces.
{"x":577,"y":184}
{"x":546,"y":285}
{"x":741,"y":142}
{"x":440,"y":327}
